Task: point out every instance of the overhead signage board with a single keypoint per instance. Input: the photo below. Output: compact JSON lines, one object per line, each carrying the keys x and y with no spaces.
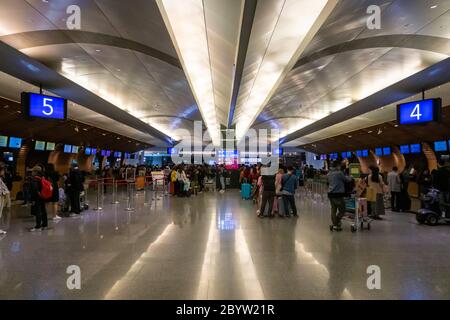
{"x":419,"y":111}
{"x":42,"y":106}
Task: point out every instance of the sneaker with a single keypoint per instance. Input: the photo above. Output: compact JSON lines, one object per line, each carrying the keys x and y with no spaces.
{"x":258,"y":212}
{"x":57,"y":218}
{"x":2,"y":231}
{"x":295,"y":215}
{"x":337,"y":228}
{"x":35,"y":229}
{"x":44,"y":228}
{"x":260,"y":216}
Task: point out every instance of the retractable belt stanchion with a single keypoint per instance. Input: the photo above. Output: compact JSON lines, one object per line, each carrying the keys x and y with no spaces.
{"x":155,"y":189}
{"x":131,"y":186}
{"x":114,"y":192}
{"x":99,"y":206}
{"x":147,"y":199}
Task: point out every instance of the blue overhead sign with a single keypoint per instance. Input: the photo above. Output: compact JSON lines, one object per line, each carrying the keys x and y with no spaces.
{"x":42,"y":106}
{"x":419,"y":111}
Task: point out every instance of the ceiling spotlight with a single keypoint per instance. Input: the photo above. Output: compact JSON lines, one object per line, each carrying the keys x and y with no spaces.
{"x":85,"y":129}
{"x":379,"y":132}
{"x":434,"y":6}
{"x":98,"y":50}
{"x":77,"y":129}
{"x":396,"y":126}
{"x":370,"y":131}
{"x":118,"y":138}
{"x":104,"y":134}
{"x":349,"y":137}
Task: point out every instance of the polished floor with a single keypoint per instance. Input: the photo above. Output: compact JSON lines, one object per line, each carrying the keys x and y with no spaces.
{"x":212,"y":246}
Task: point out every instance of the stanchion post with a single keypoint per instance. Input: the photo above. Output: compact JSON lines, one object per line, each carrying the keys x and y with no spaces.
{"x":99,"y":206}
{"x":114,"y":192}
{"x":129,"y":197}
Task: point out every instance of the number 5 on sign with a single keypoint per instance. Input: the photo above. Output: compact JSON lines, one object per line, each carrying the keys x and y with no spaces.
{"x":416,"y":112}
{"x":46,"y":105}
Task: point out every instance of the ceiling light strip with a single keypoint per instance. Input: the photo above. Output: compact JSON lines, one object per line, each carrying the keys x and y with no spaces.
{"x":297,"y":24}
{"x":185,"y":21}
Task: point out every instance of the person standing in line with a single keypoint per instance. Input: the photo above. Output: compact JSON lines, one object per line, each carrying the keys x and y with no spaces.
{"x":54,"y":177}
{"x":288,"y":185}
{"x":441,"y":181}
{"x":268,"y":194}
{"x":336,"y":194}
{"x":278,"y":178}
{"x":395,"y":186}
{"x":375,"y":181}
{"x":76,"y":187}
{"x":424,"y":182}
{"x":5,"y":200}
{"x":38,"y":204}
{"x":223,"y":175}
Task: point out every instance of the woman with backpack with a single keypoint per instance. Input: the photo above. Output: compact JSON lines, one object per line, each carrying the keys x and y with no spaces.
{"x":39,"y":191}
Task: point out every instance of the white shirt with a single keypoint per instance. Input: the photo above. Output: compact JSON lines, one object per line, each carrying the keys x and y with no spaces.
{"x":3,"y":188}
{"x":393,"y":180}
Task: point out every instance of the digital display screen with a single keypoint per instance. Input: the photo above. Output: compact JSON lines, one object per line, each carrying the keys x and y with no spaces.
{"x":440,"y":146}
{"x":278,"y":151}
{"x":416,"y":148}
{"x":67,"y":148}
{"x":344,"y":155}
{"x":87,"y":151}
{"x":108,"y":153}
{"x":365,"y":153}
{"x":359,"y":153}
{"x":15,"y":143}
{"x":118,"y":154}
{"x":127,"y":155}
{"x":42,"y":106}
{"x":75,"y":149}
{"x":39,"y":145}
{"x":3,"y":141}
{"x":404,"y":149}
{"x":93,"y":151}
{"x":334,"y":156}
{"x":323,"y":157}
{"x":419,"y":111}
{"x":378,"y":152}
{"x":386,"y":151}
{"x":172,"y":151}
{"x":50,"y":146}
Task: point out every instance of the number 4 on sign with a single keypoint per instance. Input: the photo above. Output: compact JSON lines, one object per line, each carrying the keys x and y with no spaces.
{"x":416,"y":112}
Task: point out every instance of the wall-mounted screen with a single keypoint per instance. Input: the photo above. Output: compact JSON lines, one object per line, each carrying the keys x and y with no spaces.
{"x":41,"y":106}
{"x":93,"y":151}
{"x":3,"y":141}
{"x":67,"y":148}
{"x":118,"y":154}
{"x":419,"y":111}
{"x":39,"y":145}
{"x":387,"y":151}
{"x":75,"y":149}
{"x":15,"y":143}
{"x":440,"y":146}
{"x":87,"y":151}
{"x":50,"y":146}
{"x":365,"y":153}
{"x":404,"y":149}
{"x":378,"y":152}
{"x":359,"y":153}
{"x":323,"y":157}
{"x":416,"y":148}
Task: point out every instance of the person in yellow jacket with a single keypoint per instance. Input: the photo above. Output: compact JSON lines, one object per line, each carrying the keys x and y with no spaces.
{"x":173,"y":181}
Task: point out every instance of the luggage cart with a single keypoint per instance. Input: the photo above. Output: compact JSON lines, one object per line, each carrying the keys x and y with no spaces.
{"x":361,"y":218}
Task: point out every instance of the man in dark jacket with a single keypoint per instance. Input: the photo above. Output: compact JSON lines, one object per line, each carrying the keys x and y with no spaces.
{"x":75,"y":187}
{"x":268,"y":194}
{"x":38,"y":204}
{"x":289,"y":184}
{"x":441,"y":181}
{"x":336,"y":194}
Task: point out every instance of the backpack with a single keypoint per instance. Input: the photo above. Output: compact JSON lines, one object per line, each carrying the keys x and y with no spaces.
{"x":47,"y":189}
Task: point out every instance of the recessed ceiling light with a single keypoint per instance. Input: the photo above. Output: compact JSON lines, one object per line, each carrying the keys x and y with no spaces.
{"x":85,"y":129}
{"x":104,"y":134}
{"x":98,"y":50}
{"x":396,"y":126}
{"x":433,"y":7}
{"x":45,"y":1}
{"x":370,"y":131}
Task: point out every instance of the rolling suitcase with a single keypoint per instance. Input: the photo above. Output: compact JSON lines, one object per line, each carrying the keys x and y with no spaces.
{"x":246,"y":190}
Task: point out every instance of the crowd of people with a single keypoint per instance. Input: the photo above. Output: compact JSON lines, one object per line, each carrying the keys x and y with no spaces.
{"x":273,"y":194}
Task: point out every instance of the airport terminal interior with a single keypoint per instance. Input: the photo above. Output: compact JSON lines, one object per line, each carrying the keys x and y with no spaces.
{"x":225,"y":149}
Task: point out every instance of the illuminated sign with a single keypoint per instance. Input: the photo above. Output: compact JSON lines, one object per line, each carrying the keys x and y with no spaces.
{"x":3,"y":141}
{"x":39,"y":145}
{"x":41,"y":106}
{"x":15,"y":143}
{"x":440,"y":146}
{"x":50,"y":146}
{"x":419,"y":111}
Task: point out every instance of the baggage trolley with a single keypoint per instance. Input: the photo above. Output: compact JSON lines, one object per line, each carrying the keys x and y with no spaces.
{"x":361,"y":218}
